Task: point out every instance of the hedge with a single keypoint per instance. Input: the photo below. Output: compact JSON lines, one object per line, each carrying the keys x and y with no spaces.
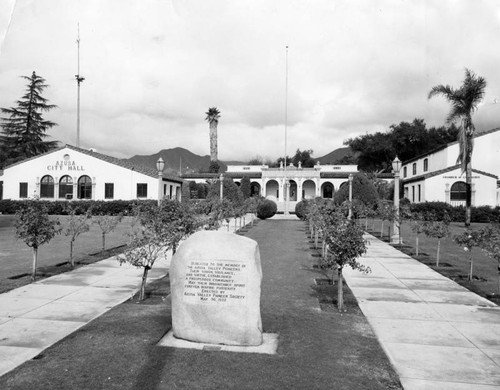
{"x":59,"y":207}
{"x":482,"y":214}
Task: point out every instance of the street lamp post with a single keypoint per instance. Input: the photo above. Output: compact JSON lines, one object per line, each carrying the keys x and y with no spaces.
{"x":160,"y":165}
{"x":349,"y":217}
{"x":396,"y":167}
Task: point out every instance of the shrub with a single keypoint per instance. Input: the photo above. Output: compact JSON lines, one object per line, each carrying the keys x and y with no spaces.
{"x":301,"y":210}
{"x":266,"y":209}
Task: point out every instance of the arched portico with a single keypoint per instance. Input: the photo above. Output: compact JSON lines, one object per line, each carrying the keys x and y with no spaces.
{"x":327,"y":190}
{"x":308,"y":189}
{"x":293,"y":191}
{"x":255,"y":189}
{"x":272,"y":188}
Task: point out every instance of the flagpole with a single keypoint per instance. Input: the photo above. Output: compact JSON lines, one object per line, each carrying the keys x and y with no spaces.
{"x":286,"y":186}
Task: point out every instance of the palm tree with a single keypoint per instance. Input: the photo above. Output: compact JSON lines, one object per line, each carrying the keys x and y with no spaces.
{"x":464,"y":102}
{"x":213,"y":115}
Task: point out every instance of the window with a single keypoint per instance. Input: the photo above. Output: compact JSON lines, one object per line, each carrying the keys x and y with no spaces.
{"x":66,"y":187}
{"x":84,"y":188}
{"x":405,"y":172}
{"x":426,"y":165}
{"x":109,"y":190}
{"x":142,"y":190}
{"x":170,"y":191}
{"x":413,"y":193}
{"x":458,"y":191}
{"x":23,"y":190}
{"x":47,"y":187}
{"x":419,"y":193}
{"x":414,"y":168}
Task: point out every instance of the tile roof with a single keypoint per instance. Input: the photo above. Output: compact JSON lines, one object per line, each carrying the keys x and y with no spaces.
{"x":109,"y":159}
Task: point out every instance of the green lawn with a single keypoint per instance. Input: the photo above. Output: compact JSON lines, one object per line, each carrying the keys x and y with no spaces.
{"x":53,"y":258}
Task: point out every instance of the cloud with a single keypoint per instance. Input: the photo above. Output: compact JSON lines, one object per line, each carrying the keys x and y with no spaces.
{"x":152,"y":69}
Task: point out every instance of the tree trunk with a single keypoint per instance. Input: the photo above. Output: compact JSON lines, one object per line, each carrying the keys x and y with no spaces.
{"x":340,"y":291}
{"x":316,"y":239}
{"x":471,"y":260}
{"x":35,"y":258}
{"x":143,"y":283}
{"x":71,"y":261}
{"x":468,"y":193}
{"x":213,"y":142}
{"x":382,"y":230}
{"x":437,"y":256}
{"x":103,"y":241}
{"x":416,"y":244}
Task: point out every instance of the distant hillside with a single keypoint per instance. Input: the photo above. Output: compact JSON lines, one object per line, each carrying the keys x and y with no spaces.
{"x":176,"y":158}
{"x":338,"y":156}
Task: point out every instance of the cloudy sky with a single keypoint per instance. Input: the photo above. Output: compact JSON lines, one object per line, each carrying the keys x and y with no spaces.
{"x":152,"y":68}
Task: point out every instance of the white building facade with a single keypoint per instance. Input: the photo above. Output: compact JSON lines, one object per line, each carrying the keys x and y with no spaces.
{"x":292,"y":183}
{"x":74,"y":173}
{"x":436,"y":176}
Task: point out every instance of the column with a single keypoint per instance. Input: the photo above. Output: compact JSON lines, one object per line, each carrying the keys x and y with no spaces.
{"x":56,"y":188}
{"x":299,"y":190}
{"x":473,"y":193}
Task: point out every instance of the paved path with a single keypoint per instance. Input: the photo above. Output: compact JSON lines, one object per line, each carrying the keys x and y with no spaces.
{"x":35,"y":316}
{"x":437,"y":334}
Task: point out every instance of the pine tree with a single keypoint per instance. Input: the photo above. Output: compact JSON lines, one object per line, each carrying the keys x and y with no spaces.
{"x":24,"y":130}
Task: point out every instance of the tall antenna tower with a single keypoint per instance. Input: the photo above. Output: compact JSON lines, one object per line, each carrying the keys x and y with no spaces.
{"x":79,"y":80}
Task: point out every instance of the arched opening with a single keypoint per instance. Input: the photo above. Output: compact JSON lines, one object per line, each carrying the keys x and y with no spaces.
{"x":47,"y":187}
{"x":254,"y":189}
{"x":84,"y":187}
{"x":66,"y":187}
{"x":327,"y":190}
{"x":293,"y":191}
{"x":273,"y":189}
{"x":308,"y":189}
{"x":458,"y":191}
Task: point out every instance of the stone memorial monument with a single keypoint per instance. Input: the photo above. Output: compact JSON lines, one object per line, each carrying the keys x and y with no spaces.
{"x":215,"y":282}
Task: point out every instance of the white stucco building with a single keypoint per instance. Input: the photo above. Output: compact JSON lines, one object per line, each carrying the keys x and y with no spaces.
{"x":304,"y":183}
{"x":74,"y":173}
{"x":435,"y":176}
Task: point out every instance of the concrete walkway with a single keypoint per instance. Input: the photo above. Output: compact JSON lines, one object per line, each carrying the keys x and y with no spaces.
{"x":437,"y":334}
{"x":36,"y":316}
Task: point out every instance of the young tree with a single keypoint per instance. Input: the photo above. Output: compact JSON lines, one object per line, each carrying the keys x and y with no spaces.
{"x":24,"y":128}
{"x":417,"y":227}
{"x":107,"y":223}
{"x":213,"y":115}
{"x":345,"y":245}
{"x":35,"y":227}
{"x":468,"y":240}
{"x":161,"y":229}
{"x":439,"y":230}
{"x":490,"y":244}
{"x":464,"y":102}
{"x":77,"y":224}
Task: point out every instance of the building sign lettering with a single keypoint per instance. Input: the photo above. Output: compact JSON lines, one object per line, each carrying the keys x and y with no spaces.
{"x":216,"y":282}
{"x":66,"y":165}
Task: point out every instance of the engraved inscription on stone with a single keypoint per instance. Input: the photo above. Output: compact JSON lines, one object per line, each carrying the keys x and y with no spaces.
{"x":215,"y":282}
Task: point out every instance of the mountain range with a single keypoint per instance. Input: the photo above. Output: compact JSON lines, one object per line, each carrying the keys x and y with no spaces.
{"x":180,"y":160}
